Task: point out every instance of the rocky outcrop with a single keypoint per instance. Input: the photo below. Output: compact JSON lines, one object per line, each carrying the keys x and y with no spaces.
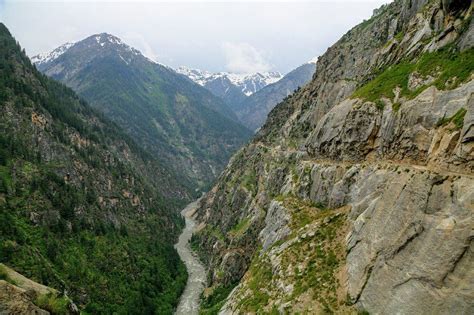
{"x":354,"y":131}
{"x":394,"y":160}
{"x":16,"y":301}
{"x":20,"y":295}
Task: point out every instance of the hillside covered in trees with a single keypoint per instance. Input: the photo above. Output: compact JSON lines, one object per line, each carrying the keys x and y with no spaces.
{"x":80,"y":205}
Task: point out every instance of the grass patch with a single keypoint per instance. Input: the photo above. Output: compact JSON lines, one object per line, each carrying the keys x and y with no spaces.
{"x":261,"y":277}
{"x":4,"y":276}
{"x":310,"y":263}
{"x":214,"y":302}
{"x":249,"y":181}
{"x":52,"y":303}
{"x":379,"y":104}
{"x":318,"y":257}
{"x":214,"y":232}
{"x":399,"y":36}
{"x":396,"y":106}
{"x":5,"y":179}
{"x":303,"y":212}
{"x":448,"y":66}
{"x":457,"y":119}
{"x":239,"y":228}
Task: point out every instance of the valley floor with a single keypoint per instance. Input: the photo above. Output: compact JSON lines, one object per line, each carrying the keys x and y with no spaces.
{"x":189,"y":302}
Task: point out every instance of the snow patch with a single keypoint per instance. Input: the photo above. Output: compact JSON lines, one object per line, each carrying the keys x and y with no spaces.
{"x":248,"y":83}
{"x":314,"y":60}
{"x":52,"y":55}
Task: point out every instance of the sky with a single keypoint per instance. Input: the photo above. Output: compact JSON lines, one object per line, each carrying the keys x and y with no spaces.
{"x":220,"y":35}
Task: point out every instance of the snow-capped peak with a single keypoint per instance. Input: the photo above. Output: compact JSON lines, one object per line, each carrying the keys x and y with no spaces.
{"x":314,"y":60}
{"x":52,"y":55}
{"x":97,"y":41}
{"x":247,"y":83}
{"x":105,"y":39}
{"x":196,"y":75}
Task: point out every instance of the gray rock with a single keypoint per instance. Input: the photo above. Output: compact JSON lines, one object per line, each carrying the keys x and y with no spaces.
{"x":276,"y":225}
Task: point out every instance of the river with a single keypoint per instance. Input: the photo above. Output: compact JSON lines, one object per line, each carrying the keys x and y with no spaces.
{"x":189,"y":301}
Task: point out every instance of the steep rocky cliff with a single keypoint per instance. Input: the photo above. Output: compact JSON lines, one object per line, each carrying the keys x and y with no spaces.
{"x":358,"y":192}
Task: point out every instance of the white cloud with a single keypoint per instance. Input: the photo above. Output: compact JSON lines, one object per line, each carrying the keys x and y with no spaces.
{"x":139,"y":42}
{"x":244,"y":58}
{"x":277,"y":35}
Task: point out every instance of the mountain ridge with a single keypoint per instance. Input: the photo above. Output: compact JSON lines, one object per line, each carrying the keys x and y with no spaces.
{"x":247,"y":83}
{"x":254,"y":109}
{"x":184,"y":125}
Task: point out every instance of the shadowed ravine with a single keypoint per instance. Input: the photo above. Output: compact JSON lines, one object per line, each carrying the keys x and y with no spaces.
{"x":189,"y":302}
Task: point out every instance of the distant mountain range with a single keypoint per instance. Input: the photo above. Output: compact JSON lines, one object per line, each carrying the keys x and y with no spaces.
{"x":253,"y":110}
{"x":249,"y":97}
{"x":180,"y":122}
{"x":252,"y":96}
{"x":246,"y":83}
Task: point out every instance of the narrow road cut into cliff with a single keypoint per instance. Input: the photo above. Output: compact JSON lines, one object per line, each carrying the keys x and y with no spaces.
{"x":189,"y":301}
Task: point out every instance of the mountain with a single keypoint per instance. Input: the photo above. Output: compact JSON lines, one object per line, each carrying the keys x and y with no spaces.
{"x":357,"y":194}
{"x":253,"y":110}
{"x":246,"y":83}
{"x":83,"y":209}
{"x":44,"y":58}
{"x":231,"y":87}
{"x":190,"y":130}
{"x":252,"y":96}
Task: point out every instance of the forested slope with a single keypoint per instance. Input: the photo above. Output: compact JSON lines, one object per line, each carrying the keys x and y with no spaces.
{"x":82,"y":208}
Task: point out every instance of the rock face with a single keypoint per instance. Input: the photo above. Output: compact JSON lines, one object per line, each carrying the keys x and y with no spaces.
{"x":16,"y":301}
{"x":20,"y":295}
{"x":358,"y":191}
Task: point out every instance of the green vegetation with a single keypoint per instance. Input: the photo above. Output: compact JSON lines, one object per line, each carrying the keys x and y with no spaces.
{"x":379,"y":104}
{"x":52,"y":303}
{"x":239,"y":228}
{"x":448,"y":66}
{"x":457,"y":119}
{"x":53,"y":227}
{"x":320,"y":255}
{"x":259,"y":283}
{"x":164,"y":112}
{"x":4,"y":276}
{"x":303,"y":212}
{"x":249,"y":181}
{"x":396,"y":106}
{"x":399,"y":36}
{"x":310,"y":262}
{"x":211,"y":304}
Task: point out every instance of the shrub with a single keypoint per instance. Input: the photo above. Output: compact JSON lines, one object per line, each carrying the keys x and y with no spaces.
{"x":457,"y":119}
{"x":449,"y":66}
{"x":52,"y":303}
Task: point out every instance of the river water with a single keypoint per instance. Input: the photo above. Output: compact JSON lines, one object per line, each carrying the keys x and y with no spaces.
{"x":189,"y":301}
